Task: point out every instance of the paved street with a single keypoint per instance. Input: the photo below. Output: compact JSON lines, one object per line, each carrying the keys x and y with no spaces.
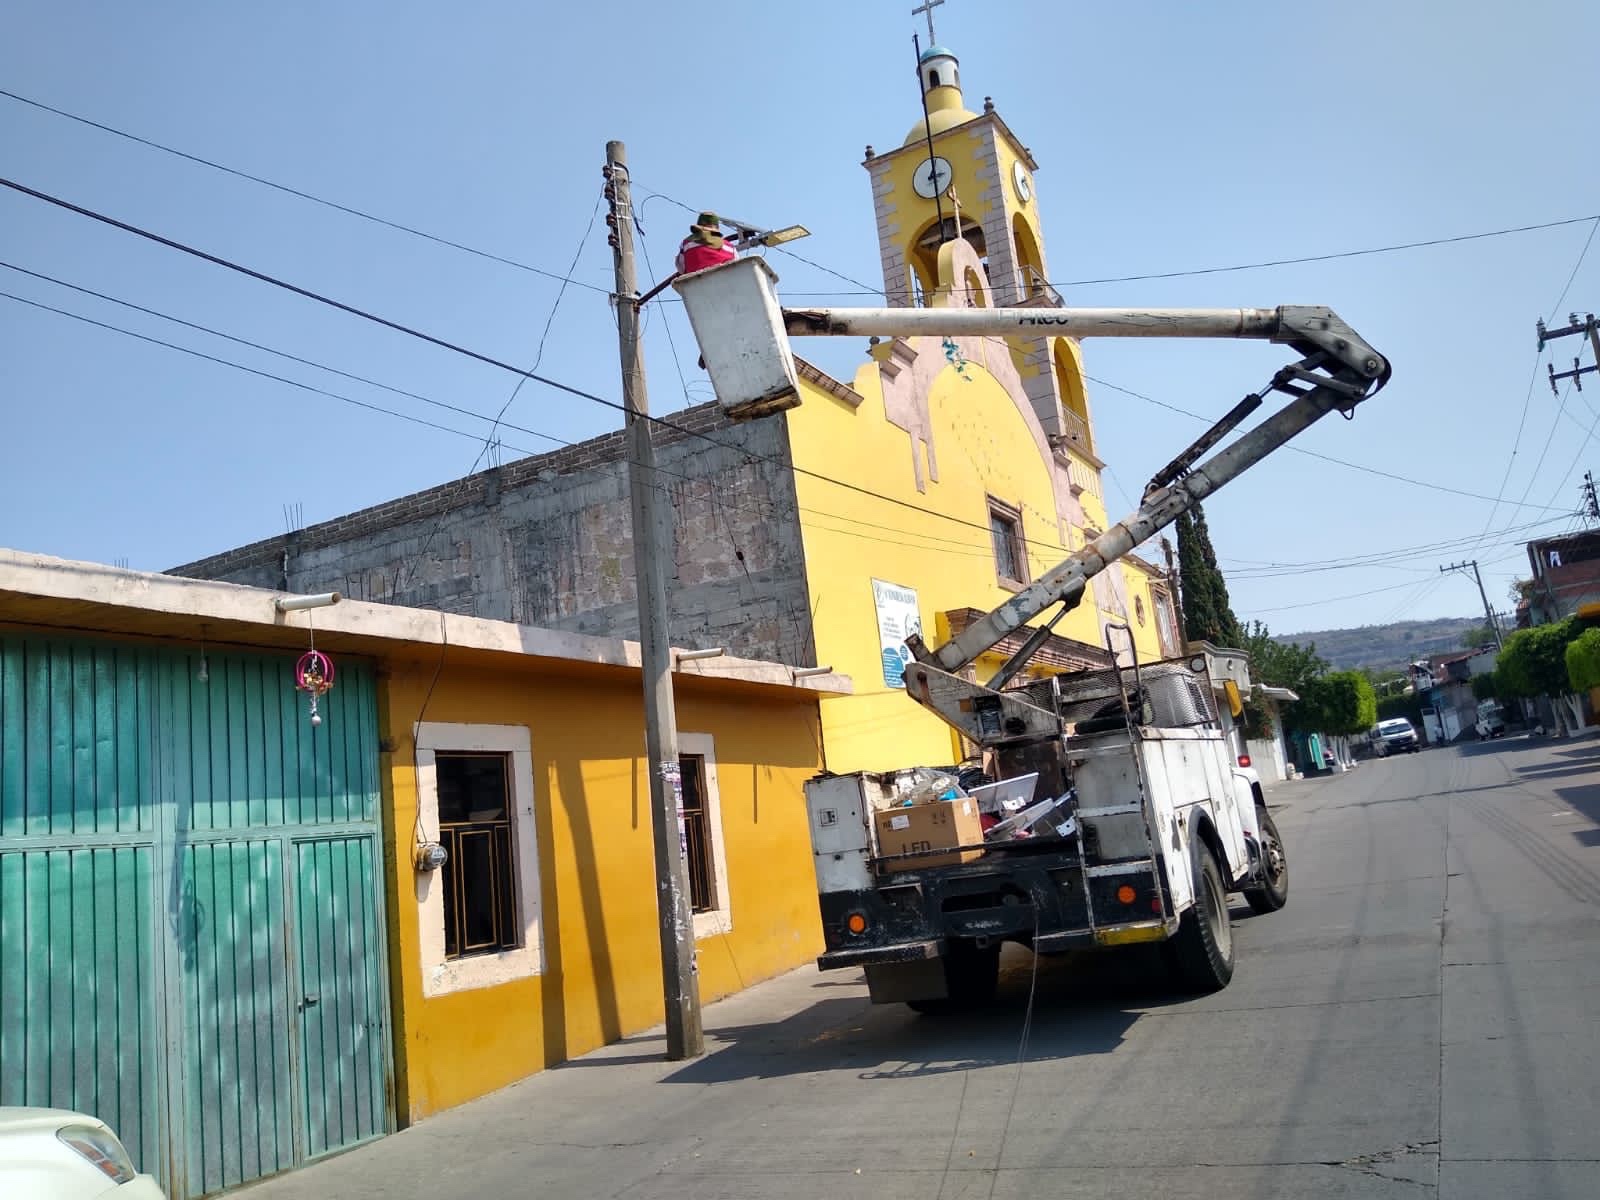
{"x":1419,"y":1021}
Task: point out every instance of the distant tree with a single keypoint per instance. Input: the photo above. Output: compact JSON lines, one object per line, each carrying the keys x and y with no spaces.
{"x":1281,"y":664}
{"x":1521,"y":589}
{"x":1534,"y":661}
{"x":1484,"y":686}
{"x":1583,"y":660}
{"x":1207,"y":611}
{"x":1475,"y":639}
{"x":1340,"y":704}
{"x":1406,"y":704}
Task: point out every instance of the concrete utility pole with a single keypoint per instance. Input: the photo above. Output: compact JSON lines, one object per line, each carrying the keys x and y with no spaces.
{"x":679,"y":978}
{"x":1488,"y":612}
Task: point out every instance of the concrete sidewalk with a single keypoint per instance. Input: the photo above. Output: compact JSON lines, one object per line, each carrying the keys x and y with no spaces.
{"x":1419,"y":1021}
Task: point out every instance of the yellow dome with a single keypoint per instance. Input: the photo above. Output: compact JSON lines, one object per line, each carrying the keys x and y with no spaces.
{"x":945,"y":111}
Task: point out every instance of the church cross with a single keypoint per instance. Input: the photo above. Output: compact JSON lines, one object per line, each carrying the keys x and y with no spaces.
{"x":927,"y":8}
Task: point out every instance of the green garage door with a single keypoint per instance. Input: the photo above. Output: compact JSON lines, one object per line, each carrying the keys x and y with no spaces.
{"x":191,"y":917}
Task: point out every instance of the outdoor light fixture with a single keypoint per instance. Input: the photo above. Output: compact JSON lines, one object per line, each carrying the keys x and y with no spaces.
{"x":747,"y":236}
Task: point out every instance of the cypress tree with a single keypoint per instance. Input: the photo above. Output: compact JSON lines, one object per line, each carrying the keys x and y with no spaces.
{"x":1207,"y":611}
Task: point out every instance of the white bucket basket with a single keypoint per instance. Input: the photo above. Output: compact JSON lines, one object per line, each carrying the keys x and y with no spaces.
{"x":737,"y":321}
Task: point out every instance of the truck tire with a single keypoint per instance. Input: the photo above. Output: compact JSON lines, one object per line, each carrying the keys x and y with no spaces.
{"x":971,"y":976}
{"x":1202,"y":951}
{"x":1273,"y":893}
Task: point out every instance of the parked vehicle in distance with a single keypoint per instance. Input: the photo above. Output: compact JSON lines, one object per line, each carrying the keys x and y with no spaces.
{"x":53,"y":1154}
{"x":1394,"y":735}
{"x":1491,"y":721}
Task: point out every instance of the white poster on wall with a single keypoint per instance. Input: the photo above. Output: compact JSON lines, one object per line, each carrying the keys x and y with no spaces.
{"x":898,"y":619}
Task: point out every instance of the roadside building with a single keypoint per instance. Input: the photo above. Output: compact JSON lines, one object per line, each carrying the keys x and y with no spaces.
{"x":215,"y":927}
{"x":1565,"y":578}
{"x":942,"y":476}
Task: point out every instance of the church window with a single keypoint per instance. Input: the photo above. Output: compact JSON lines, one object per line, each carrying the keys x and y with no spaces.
{"x":1005,"y":531}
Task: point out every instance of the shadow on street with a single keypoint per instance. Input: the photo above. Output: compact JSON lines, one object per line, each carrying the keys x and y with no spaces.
{"x":1083,"y":1004}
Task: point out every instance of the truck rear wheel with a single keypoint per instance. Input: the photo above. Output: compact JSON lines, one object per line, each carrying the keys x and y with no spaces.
{"x":971,"y":975}
{"x":1273,"y":893}
{"x":1202,"y":951}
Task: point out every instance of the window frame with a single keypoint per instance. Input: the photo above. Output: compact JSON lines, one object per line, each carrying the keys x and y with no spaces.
{"x":441,"y":975}
{"x":1019,"y":544}
{"x":719,"y":918}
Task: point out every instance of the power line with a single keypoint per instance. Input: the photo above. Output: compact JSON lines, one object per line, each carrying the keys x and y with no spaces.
{"x":1527,"y":399}
{"x":1328,"y":458}
{"x":321,"y":366}
{"x":549,"y":382}
{"x":868,"y":289}
{"x":491,"y":440}
{"x":304,"y":195}
{"x":930,"y":541}
{"x":1375,"y":557}
{"x":294,"y":383}
{"x":216,"y":260}
{"x":1394,"y":587}
{"x":555,"y":307}
{"x":1313,"y":258}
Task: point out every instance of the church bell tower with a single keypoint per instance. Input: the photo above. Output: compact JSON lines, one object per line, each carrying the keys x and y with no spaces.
{"x":959,"y":173}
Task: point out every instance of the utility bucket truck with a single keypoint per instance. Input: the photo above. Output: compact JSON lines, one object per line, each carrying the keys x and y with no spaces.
{"x":1110,"y":808}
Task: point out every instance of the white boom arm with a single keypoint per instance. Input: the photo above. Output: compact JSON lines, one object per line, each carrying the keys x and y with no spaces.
{"x":744,"y":334}
{"x":1337,"y":371}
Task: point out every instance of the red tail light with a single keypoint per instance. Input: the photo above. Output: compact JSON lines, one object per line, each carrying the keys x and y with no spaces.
{"x":1244,"y":760}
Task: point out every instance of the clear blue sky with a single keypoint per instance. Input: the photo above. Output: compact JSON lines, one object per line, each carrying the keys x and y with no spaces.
{"x":1170,"y":137}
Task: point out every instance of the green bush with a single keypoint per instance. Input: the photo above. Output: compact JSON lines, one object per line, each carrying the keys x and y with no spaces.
{"x":1583,"y":661}
{"x":1534,"y":661}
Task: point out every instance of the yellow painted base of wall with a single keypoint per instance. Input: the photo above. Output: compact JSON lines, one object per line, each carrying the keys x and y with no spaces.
{"x":602,"y":976}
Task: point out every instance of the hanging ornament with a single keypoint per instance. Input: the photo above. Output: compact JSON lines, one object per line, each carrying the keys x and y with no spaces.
{"x":955,"y":358}
{"x":313,"y":674}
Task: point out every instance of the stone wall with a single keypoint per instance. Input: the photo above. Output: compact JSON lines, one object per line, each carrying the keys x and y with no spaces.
{"x":547,"y":541}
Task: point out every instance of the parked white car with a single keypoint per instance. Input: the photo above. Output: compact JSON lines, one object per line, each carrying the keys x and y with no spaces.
{"x":53,"y":1154}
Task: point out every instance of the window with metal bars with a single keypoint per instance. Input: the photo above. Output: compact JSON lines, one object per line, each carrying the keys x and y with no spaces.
{"x":1005,"y":530}
{"x":697,"y":834}
{"x":478,"y":877}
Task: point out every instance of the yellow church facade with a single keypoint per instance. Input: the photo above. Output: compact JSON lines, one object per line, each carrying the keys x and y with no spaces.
{"x":948,"y":473}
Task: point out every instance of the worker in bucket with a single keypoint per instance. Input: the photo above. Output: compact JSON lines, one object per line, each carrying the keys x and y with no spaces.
{"x":705,"y":246}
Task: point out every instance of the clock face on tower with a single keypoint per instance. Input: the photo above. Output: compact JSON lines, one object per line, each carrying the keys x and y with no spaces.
{"x":932,"y":178}
{"x":1020,"y":181}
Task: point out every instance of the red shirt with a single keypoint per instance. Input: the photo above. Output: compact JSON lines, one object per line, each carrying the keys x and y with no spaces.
{"x":695,"y":256}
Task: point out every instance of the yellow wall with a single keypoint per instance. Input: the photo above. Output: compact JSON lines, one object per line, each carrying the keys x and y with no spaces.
{"x":602,"y":978}
{"x":983,"y":447}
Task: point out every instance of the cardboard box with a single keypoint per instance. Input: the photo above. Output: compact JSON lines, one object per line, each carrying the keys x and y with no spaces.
{"x":938,"y":825}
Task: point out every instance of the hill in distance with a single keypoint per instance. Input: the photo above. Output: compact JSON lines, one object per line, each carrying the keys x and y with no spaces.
{"x":1384,"y":646}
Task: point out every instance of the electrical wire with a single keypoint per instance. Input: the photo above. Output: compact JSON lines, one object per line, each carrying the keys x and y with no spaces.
{"x":869,"y":290}
{"x":555,"y":307}
{"x":294,"y":383}
{"x":447,"y":345}
{"x":304,"y":195}
{"x":1527,"y":399}
{"x":545,"y":380}
{"x":309,"y":362}
{"x":417,"y":559}
{"x":1328,"y":458}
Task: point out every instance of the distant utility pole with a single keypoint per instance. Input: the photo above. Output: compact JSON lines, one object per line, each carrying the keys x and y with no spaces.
{"x":1587,"y":326}
{"x":1591,"y":501}
{"x":1494,"y":625}
{"x":679,"y":979}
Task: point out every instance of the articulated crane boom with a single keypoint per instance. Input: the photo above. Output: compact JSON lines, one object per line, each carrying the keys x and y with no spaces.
{"x":1336,"y":370}
{"x":1115,"y":807}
